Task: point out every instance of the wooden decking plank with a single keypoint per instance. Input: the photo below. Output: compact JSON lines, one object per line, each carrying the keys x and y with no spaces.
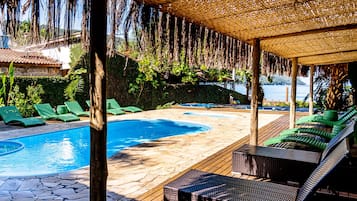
{"x":221,"y":162}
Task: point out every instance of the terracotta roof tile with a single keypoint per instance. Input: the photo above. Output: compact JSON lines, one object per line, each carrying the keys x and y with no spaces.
{"x":8,"y":55}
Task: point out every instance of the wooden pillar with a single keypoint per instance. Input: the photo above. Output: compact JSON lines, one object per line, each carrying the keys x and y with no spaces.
{"x":254,"y":99}
{"x":97,"y":91}
{"x":311,"y":93}
{"x":293,"y":93}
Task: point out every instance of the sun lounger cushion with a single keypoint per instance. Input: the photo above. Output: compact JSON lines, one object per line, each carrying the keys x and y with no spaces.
{"x":46,"y":111}
{"x":113,"y":104}
{"x":76,"y":108}
{"x":312,"y":141}
{"x":314,"y":131}
{"x":113,"y":111}
{"x":320,"y":119}
{"x":283,"y":164}
{"x":10,"y":114}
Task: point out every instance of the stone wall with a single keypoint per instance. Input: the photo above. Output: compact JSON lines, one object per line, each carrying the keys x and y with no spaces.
{"x":34,"y":71}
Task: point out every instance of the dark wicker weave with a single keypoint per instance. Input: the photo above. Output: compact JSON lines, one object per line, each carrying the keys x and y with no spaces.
{"x":198,"y":185}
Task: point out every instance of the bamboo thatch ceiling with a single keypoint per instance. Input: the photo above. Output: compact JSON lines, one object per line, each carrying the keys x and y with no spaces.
{"x":315,"y":31}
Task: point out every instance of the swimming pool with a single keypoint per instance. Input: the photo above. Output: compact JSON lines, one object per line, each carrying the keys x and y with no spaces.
{"x":66,"y":150}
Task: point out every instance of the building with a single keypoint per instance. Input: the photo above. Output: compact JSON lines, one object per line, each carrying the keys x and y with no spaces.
{"x":28,"y":62}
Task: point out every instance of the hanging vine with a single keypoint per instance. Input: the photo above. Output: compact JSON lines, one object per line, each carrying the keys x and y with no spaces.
{"x":164,"y":36}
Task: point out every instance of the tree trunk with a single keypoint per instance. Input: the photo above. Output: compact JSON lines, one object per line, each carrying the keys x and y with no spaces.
{"x":98,"y":118}
{"x":334,"y":94}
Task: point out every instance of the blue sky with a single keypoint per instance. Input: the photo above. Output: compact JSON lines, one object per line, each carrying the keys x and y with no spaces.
{"x":43,"y":15}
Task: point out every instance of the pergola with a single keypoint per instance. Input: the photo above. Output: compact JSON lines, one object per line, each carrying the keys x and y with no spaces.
{"x":314,"y":31}
{"x":309,"y":32}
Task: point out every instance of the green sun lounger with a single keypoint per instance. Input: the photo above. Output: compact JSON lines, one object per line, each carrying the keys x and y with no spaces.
{"x":113,"y":111}
{"x":320,"y":118}
{"x":309,"y":140}
{"x":113,"y":104}
{"x":10,"y":114}
{"x":76,"y":108}
{"x":46,"y":111}
{"x":313,"y":131}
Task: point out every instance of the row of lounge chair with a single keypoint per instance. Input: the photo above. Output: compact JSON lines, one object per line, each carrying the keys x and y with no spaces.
{"x":70,"y":111}
{"x":312,"y":132}
{"x":293,"y":174}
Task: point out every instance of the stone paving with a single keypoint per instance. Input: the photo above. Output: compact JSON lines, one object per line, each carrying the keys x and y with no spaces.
{"x":136,"y":169}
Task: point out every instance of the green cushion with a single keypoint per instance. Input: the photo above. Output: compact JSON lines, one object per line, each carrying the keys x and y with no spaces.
{"x":62,"y":109}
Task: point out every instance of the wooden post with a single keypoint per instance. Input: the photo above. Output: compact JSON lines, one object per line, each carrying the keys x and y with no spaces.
{"x":98,"y":117}
{"x":286,"y":94}
{"x":311,"y":94}
{"x":293,"y":93}
{"x":234,"y":79}
{"x":254,"y":99}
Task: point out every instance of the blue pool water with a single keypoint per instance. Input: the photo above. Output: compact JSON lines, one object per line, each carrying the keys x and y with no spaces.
{"x":66,"y":150}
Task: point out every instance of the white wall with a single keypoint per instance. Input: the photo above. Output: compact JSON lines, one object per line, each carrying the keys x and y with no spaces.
{"x":61,"y":54}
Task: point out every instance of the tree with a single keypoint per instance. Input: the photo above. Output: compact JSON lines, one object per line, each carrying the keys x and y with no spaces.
{"x":245,"y":76}
{"x":330,"y":87}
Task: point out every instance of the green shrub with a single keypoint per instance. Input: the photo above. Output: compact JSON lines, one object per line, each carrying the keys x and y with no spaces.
{"x":24,"y":102}
{"x":166,"y":105}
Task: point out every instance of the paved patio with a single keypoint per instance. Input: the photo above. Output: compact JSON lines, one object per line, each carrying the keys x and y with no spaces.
{"x":135,"y":170}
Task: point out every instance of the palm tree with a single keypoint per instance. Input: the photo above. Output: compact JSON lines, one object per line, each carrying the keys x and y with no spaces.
{"x":330,"y":86}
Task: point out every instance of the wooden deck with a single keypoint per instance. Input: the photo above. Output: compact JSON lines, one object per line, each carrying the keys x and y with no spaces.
{"x":221,"y":162}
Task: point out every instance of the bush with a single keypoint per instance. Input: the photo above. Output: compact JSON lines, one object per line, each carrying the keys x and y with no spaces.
{"x":24,"y":102}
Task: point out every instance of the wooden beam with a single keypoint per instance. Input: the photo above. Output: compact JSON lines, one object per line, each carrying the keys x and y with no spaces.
{"x":311,"y":94}
{"x":293,"y":93}
{"x":327,"y":53}
{"x":97,"y":92}
{"x":312,"y":31}
{"x":254,"y":98}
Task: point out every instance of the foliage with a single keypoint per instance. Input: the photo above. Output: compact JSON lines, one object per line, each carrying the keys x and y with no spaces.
{"x":244,"y":76}
{"x":166,"y":105}
{"x":23,"y":33}
{"x":147,"y":74}
{"x":53,"y":87}
{"x":278,"y":80}
{"x":352,"y":72}
{"x":260,"y":94}
{"x":328,"y":84}
{"x":130,"y":49}
{"x":25,"y":102}
{"x":299,"y":103}
{"x":215,"y":75}
{"x":183,"y":70}
{"x":13,"y":95}
{"x":4,"y":97}
{"x":76,"y":84}
{"x":76,"y":54}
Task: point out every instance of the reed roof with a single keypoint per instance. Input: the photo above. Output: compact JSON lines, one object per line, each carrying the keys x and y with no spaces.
{"x":315,"y":31}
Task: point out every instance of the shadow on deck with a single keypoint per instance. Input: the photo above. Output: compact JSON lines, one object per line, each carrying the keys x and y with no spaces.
{"x":221,"y":162}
